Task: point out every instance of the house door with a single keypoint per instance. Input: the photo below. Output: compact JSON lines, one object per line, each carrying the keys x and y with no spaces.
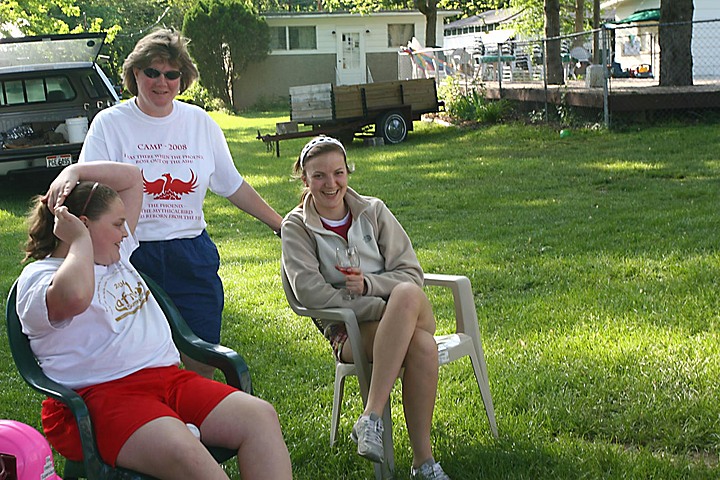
{"x":351,"y":59}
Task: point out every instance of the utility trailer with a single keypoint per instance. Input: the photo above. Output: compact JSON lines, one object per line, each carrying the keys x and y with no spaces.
{"x":347,"y":111}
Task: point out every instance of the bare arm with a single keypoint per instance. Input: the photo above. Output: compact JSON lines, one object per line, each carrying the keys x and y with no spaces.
{"x":249,"y":201}
{"x":73,"y":285}
{"x":125,"y":179}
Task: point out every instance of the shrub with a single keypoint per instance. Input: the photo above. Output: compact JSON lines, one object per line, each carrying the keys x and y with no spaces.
{"x":196,"y":94}
{"x":199,"y":95}
{"x":469,"y":104}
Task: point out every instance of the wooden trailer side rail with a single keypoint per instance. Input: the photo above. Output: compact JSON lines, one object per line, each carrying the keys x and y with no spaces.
{"x":345,"y":110}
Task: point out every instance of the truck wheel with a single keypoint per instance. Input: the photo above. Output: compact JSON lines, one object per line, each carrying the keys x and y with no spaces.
{"x":393,"y":127}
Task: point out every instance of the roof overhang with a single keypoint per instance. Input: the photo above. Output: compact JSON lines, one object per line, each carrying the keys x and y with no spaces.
{"x":346,"y":14}
{"x":646,"y":15}
{"x":489,"y":17}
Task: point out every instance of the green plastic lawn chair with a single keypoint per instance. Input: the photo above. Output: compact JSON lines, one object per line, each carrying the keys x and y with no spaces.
{"x":92,"y":466}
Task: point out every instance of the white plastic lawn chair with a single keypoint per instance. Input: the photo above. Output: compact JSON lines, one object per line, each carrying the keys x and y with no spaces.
{"x":464,"y":342}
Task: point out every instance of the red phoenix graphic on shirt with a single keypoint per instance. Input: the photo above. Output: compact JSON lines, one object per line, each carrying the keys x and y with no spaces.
{"x":168,"y":188}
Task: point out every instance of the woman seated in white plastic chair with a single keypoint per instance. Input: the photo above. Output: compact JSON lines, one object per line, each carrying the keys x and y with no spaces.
{"x":385,"y":292}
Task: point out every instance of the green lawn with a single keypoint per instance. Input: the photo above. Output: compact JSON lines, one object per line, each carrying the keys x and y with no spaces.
{"x":594,"y":264}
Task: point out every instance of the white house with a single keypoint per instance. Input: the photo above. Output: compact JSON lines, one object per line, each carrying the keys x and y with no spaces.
{"x":332,"y":47}
{"x":490,"y":27}
{"x":637,"y":42}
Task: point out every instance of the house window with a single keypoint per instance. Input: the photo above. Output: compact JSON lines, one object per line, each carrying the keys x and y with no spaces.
{"x":400,"y":34}
{"x":293,"y":38}
{"x":278,"y":38}
{"x":302,"y":38}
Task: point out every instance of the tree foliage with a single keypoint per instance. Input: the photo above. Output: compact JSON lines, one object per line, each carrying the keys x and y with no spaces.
{"x":467,"y":7}
{"x":124,"y":21}
{"x":226,"y":37}
{"x":34,"y":17}
{"x":472,"y":7}
{"x":532,"y":22}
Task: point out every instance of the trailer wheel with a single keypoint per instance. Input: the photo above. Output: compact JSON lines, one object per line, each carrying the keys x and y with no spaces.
{"x":393,"y":127}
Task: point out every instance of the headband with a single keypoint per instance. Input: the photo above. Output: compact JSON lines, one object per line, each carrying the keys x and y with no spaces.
{"x":318,"y":141}
{"x":89,"y":197}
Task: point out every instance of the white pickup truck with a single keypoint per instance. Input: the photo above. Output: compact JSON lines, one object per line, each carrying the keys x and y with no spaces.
{"x":51,"y":88}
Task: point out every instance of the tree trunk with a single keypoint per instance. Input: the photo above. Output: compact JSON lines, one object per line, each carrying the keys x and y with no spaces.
{"x":228,"y":98}
{"x":597,"y":58}
{"x":579,"y":22}
{"x":553,"y":58}
{"x":676,"y":62}
{"x":429,"y":9}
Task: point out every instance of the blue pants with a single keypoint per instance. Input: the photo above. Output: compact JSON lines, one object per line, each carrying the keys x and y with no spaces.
{"x":187,"y":269}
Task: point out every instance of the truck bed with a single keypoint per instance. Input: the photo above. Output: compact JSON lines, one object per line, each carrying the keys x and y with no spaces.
{"x":40,"y":150}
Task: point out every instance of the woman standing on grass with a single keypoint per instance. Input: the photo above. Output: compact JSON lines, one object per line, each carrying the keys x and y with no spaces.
{"x":396,"y":319}
{"x":182,"y":154}
{"x":96,"y":328}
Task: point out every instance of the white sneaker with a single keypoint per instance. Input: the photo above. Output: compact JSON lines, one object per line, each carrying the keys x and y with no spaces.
{"x":367,"y":433}
{"x":429,"y":471}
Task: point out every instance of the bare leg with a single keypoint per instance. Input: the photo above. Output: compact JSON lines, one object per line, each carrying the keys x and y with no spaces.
{"x":207,"y":371}
{"x":166,"y":449}
{"x":404,"y":336}
{"x":408,"y":310}
{"x":251,"y":425}
{"x":419,"y":392}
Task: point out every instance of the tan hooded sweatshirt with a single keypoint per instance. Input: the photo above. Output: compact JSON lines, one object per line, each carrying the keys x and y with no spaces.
{"x":387,"y":257}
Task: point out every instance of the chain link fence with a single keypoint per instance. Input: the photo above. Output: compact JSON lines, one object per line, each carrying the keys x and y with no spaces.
{"x":611,"y":74}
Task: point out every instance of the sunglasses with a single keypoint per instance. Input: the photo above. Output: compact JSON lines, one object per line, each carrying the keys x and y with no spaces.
{"x":170,"y":75}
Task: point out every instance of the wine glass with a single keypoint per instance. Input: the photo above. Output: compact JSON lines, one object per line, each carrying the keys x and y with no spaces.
{"x":347,"y":257}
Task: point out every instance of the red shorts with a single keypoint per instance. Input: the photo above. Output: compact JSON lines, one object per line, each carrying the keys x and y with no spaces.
{"x":119,"y":407}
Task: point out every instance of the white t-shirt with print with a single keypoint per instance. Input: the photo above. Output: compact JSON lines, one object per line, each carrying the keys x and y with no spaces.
{"x":123,"y":331}
{"x":181,"y":156}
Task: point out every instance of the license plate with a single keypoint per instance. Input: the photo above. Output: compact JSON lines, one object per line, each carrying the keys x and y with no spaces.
{"x":53,"y":161}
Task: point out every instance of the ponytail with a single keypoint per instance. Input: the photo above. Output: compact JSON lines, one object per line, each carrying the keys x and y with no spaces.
{"x":41,"y":240}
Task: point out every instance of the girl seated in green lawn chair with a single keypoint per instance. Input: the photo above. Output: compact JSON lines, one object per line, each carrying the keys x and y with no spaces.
{"x":94,"y":327}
